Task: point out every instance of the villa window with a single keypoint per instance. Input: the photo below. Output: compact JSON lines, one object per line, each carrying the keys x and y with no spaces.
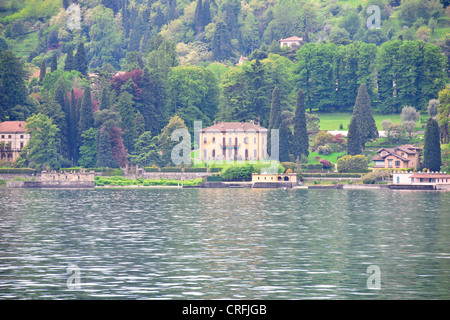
{"x":21,"y":136}
{"x":255,"y":154}
{"x":3,"y":136}
{"x":9,"y":136}
{"x":246,"y":140}
{"x":214,"y":139}
{"x":397,"y":163}
{"x":214,"y":153}
{"x":390,"y":163}
{"x":254,"y":140}
{"x":204,"y":139}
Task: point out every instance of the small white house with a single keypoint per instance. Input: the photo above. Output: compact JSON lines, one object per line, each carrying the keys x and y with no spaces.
{"x":289,"y":42}
{"x":437,"y":178}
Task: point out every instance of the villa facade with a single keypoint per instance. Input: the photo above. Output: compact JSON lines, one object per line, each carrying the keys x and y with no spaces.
{"x":13,"y":138}
{"x":402,"y":157}
{"x":233,"y":141}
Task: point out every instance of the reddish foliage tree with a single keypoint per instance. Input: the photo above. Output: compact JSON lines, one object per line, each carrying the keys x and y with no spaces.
{"x":339,"y":139}
{"x":121,"y":77}
{"x":120,"y":153}
{"x":326,"y":164}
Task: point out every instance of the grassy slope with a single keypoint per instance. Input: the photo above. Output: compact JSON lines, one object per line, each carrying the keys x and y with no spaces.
{"x":331,"y":121}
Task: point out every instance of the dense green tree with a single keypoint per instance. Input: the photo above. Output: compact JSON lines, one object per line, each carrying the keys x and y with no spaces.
{"x":12,"y":86}
{"x":88,"y":149}
{"x":50,"y":108}
{"x":146,"y":151}
{"x":165,"y":143}
{"x":198,"y":17}
{"x":221,"y":44}
{"x":42,"y":71}
{"x":86,"y":114}
{"x":80,"y":60}
{"x":300,"y":139}
{"x":195,"y":93}
{"x":363,"y":113}
{"x":443,"y":115}
{"x":69,"y":61}
{"x":432,"y":146}
{"x":354,"y":137}
{"x":105,"y":36}
{"x":103,"y":152}
{"x":41,"y":151}
{"x":54,"y":64}
{"x":127,"y":110}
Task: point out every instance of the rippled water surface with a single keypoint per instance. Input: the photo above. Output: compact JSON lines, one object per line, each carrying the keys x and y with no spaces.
{"x":223,"y":244}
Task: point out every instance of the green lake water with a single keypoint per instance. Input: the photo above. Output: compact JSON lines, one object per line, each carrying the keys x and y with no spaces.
{"x":223,"y":244}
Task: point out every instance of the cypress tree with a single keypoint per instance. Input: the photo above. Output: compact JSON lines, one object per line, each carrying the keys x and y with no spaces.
{"x":363,"y":112}
{"x":54,"y":64}
{"x":104,"y":101}
{"x":59,"y":94}
{"x":432,"y":146}
{"x":104,"y":154}
{"x":42,"y":71}
{"x":80,"y":61}
{"x":354,"y":137}
{"x":68,"y":63}
{"x":86,"y":120}
{"x":301,"y":140}
{"x":206,"y":13}
{"x":198,"y":16}
{"x":73,"y":126}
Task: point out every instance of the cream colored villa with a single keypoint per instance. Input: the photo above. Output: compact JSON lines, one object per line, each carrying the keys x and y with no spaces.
{"x":13,"y":138}
{"x":230,"y":141}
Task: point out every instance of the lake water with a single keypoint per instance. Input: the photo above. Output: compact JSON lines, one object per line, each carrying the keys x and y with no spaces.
{"x":223,"y":244}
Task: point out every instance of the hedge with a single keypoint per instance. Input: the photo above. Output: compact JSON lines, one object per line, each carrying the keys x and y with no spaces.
{"x":195,"y":169}
{"x":170,"y":169}
{"x":332,"y":175}
{"x":151,"y":169}
{"x":17,"y":170}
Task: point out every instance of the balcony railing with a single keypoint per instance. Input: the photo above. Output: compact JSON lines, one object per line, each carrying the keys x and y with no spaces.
{"x":230,"y":146}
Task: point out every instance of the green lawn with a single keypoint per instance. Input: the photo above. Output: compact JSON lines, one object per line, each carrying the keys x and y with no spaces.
{"x":332,"y":121}
{"x":331,"y":157}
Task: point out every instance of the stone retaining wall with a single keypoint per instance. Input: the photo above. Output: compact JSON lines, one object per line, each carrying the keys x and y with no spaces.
{"x":50,"y":184}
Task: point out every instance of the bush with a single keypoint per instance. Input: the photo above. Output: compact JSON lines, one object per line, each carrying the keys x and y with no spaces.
{"x":325,"y":150}
{"x":239,"y":173}
{"x":170,"y":169}
{"x":326,"y":163}
{"x":349,"y":163}
{"x":368,"y":179}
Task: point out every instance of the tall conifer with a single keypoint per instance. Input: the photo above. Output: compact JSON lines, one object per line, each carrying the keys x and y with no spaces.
{"x":432,"y":146}
{"x":301,"y":140}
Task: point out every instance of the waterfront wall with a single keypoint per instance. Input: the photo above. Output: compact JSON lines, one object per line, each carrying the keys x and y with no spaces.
{"x":50,"y":184}
{"x":169,"y":175}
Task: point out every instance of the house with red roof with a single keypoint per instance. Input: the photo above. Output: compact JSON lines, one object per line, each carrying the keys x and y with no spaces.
{"x":233,"y":141}
{"x":13,"y":138}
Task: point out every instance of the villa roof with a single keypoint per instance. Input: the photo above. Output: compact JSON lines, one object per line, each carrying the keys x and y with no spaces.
{"x":236,"y":126}
{"x":390,"y":153}
{"x":291,"y":39}
{"x":13,"y":126}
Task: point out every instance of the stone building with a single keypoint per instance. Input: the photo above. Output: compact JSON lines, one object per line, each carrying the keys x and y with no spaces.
{"x":233,"y":141}
{"x":13,"y":138}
